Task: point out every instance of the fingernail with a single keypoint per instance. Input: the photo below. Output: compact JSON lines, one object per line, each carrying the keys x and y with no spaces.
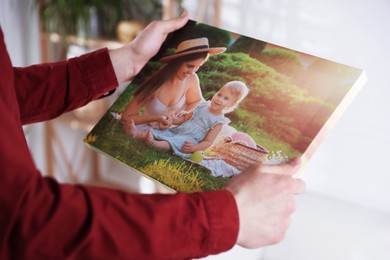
{"x":295,"y":161}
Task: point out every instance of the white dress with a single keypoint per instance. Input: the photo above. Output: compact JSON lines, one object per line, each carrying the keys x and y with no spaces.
{"x":154,"y":107}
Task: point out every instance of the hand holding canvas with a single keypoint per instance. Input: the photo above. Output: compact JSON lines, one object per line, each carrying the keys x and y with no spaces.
{"x":143,"y":47}
{"x":264,"y":197}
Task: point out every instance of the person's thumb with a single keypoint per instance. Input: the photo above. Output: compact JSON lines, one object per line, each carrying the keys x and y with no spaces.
{"x":289,"y":168}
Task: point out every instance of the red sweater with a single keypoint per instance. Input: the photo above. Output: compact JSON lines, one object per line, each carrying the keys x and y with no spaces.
{"x":42,"y":219}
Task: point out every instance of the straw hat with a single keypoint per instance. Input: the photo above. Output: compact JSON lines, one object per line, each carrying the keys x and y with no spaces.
{"x":193,"y":46}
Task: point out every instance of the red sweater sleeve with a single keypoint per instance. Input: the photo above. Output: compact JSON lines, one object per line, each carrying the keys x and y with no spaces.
{"x":77,"y":222}
{"x":42,"y":219}
{"x":45,"y":91}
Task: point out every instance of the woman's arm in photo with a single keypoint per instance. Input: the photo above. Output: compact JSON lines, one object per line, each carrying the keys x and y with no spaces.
{"x":193,"y":94}
{"x":132,"y":113}
{"x":178,"y":120}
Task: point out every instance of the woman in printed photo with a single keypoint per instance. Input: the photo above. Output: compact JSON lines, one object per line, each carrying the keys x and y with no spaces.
{"x":174,"y":89}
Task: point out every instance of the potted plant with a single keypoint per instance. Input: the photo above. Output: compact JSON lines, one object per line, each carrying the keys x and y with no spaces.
{"x":87,"y":19}
{"x":93,"y":18}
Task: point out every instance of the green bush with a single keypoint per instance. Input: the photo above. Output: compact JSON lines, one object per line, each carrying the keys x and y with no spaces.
{"x":284,"y":61}
{"x":247,"y":45}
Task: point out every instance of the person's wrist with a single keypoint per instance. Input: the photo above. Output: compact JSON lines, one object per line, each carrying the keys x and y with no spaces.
{"x":160,"y":119}
{"x":139,"y":60}
{"x":122,"y":63}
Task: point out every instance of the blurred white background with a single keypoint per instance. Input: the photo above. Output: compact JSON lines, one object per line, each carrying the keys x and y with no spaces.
{"x":345,"y":213}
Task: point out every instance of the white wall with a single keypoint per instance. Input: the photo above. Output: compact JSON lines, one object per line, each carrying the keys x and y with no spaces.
{"x":345,"y":213}
{"x":20,"y":38}
{"x":19,"y":22}
{"x":352,"y":163}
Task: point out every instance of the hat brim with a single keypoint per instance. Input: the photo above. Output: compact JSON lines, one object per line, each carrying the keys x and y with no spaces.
{"x":211,"y":51}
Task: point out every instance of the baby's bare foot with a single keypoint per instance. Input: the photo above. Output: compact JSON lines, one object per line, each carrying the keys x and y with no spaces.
{"x":149,"y":139}
{"x":132,"y":130}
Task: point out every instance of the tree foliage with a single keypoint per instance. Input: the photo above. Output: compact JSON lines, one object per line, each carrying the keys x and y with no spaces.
{"x":216,"y":36}
{"x":284,"y":61}
{"x":327,"y":79}
{"x":247,"y":45}
{"x":274,"y":103}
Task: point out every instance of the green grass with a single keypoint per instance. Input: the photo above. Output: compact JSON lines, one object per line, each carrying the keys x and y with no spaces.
{"x":174,"y":175}
{"x":171,"y":170}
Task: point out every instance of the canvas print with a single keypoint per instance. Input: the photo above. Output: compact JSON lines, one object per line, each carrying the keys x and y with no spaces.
{"x":211,"y":103}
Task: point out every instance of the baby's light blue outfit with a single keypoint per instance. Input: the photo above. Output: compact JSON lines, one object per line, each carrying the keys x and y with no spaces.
{"x":194,"y":130}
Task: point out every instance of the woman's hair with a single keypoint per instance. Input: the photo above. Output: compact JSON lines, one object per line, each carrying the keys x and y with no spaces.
{"x":147,"y":88}
{"x":239,"y":90}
